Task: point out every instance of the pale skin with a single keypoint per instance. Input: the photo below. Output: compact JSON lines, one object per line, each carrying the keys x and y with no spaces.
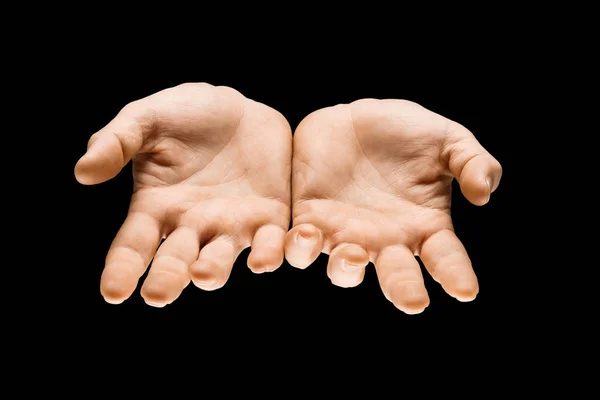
{"x":211,"y":173}
{"x":370,"y":182}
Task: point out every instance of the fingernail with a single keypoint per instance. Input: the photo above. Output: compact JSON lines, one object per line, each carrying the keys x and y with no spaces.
{"x":260,"y":270}
{"x":304,"y":241}
{"x":203,"y":282}
{"x":488,"y":180}
{"x":155,"y":304}
{"x":349,"y":267}
{"x":110,"y":301}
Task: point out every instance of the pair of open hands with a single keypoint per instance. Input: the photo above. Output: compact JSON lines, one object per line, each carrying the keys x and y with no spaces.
{"x":216,"y":173}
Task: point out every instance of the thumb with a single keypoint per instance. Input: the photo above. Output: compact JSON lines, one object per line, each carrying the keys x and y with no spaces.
{"x":477,"y":172}
{"x":111,"y":148}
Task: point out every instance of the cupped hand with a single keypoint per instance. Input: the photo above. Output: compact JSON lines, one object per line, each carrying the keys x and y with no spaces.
{"x":371,"y":182}
{"x":211,"y":173}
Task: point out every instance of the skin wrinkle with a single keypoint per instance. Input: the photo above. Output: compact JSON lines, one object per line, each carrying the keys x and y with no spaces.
{"x":393,"y":188}
{"x":268,"y":122}
{"x":426,"y":239}
{"x":240,"y":220}
{"x":400,"y":198}
{"x":367,"y":158}
{"x":132,"y":250}
{"x":154,"y":159}
{"x":178,"y":196}
{"x":360,"y":195}
{"x":452,"y":139}
{"x":132,"y":212}
{"x":298,"y":171}
{"x":213,"y":160}
{"x":169,"y":257}
{"x":145,"y":126}
{"x":194,"y":155}
{"x":123,"y":154}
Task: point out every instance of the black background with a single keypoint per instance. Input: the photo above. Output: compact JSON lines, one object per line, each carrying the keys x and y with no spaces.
{"x":289,"y":303}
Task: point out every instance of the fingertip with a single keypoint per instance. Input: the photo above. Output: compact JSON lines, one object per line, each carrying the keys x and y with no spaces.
{"x":354,"y":256}
{"x":465,"y":299}
{"x":463,"y":287}
{"x":201,"y":274}
{"x":475,"y":187}
{"x":84,"y":171}
{"x":303,"y":244}
{"x":209,"y":285}
{"x":345,"y":280}
{"x":495,"y":172}
{"x":204,"y":276}
{"x":112,"y":300}
{"x":155,"y":294}
{"x":102,"y":161}
{"x":410,"y":298}
{"x":155,"y":304}
{"x":465,"y":293}
{"x":494,"y":175}
{"x":91,"y":170}
{"x":265,"y":260}
{"x":411,"y":310}
{"x":116,"y":286}
{"x":214,"y":264}
{"x":479,"y":178}
{"x":114,"y":294}
{"x":476,"y":193}
{"x":346,"y":266}
{"x":267,"y":252}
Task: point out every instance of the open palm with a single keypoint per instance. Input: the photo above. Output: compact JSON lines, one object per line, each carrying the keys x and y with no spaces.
{"x":372,"y":182}
{"x":211,"y":176}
